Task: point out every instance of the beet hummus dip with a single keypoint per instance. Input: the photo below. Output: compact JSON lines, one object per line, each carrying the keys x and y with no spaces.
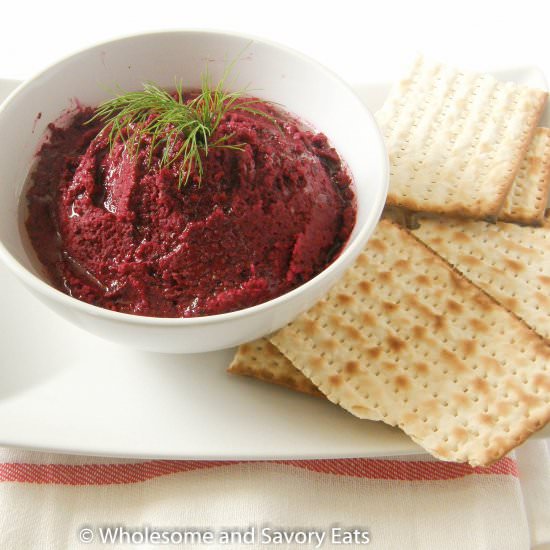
{"x":115,"y":230}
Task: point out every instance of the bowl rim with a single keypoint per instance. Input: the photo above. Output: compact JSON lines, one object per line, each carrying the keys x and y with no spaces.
{"x":41,"y":286}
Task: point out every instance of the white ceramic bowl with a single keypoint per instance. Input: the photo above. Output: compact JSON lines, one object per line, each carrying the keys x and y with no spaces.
{"x":276,"y":73}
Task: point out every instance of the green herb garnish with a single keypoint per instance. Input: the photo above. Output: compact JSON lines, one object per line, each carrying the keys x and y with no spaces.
{"x":182,"y":128}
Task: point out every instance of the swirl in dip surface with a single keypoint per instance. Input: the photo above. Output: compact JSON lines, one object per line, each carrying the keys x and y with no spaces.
{"x":114,"y":230}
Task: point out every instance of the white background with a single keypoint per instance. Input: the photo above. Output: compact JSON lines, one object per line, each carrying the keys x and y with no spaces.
{"x":364,"y":41}
{"x":361,"y":40}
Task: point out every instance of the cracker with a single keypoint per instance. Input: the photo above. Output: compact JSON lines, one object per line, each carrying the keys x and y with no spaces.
{"x":456,"y":139}
{"x":262,"y":360}
{"x":509,"y":262}
{"x":526,"y":200}
{"x":406,"y":340}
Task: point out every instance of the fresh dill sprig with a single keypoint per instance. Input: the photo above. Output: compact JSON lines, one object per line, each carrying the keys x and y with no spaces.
{"x":183,"y":128}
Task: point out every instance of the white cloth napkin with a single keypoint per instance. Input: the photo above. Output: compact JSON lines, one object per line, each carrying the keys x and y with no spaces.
{"x":60,"y":501}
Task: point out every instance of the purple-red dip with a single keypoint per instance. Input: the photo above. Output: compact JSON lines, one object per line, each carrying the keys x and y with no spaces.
{"x":115,"y":231}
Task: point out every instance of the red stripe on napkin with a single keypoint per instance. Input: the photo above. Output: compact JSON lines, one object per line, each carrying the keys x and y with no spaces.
{"x":406,"y":470}
{"x":110,"y":474}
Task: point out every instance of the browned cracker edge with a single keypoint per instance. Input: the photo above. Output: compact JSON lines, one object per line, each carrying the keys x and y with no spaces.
{"x":265,"y":376}
{"x":530,"y":425}
{"x":530,"y":220}
{"x":393,"y":199}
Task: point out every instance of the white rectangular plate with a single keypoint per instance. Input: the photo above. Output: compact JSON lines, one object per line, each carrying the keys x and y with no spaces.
{"x":64,"y":390}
